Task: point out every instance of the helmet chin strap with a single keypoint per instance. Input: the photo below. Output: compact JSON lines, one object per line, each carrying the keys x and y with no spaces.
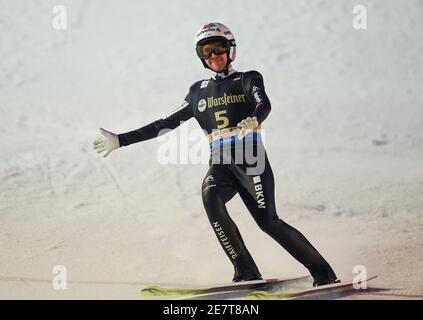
{"x":228,"y":63}
{"x":224,"y":73}
{"x":226,"y":70}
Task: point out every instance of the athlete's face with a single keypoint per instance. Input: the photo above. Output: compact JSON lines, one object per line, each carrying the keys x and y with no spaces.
{"x":217,"y":62}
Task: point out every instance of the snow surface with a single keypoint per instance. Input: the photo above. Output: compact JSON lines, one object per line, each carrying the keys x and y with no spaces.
{"x":345,"y":140}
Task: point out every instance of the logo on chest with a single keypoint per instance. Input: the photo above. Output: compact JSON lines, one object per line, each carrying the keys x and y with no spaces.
{"x":224,"y":100}
{"x":202,"y":104}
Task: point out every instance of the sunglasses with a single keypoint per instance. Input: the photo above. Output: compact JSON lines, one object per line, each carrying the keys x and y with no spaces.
{"x":205,"y":51}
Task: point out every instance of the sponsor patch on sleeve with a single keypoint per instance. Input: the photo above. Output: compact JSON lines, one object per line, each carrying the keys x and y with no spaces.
{"x":204,"y":84}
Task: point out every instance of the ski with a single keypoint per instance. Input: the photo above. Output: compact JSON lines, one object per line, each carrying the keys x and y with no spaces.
{"x":325,"y":289}
{"x":160,"y":291}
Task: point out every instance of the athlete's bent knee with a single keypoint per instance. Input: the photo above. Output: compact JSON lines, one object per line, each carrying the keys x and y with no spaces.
{"x":267,"y":225}
{"x":209,"y":191}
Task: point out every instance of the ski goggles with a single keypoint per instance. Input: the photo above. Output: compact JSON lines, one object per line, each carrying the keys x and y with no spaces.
{"x":205,"y":51}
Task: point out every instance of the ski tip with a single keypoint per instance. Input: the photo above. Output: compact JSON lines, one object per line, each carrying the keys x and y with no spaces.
{"x":157,"y":291}
{"x":151,"y":291}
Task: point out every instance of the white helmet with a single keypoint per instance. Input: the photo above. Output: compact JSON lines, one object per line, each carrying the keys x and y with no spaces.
{"x":216,"y":31}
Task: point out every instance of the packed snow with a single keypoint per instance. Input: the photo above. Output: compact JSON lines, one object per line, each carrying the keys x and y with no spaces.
{"x":345,"y":140}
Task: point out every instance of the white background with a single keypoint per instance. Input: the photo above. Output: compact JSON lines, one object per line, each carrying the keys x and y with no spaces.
{"x":345,"y":140}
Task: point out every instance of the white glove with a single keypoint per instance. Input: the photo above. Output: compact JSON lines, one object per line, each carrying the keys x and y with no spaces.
{"x":247,"y":125}
{"x":108,"y":143}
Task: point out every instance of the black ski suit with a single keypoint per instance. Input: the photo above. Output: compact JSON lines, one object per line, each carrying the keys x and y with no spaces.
{"x":219,"y":104}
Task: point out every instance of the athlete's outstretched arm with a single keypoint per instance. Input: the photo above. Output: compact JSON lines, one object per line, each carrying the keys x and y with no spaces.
{"x":156,"y":128}
{"x":111,"y":141}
